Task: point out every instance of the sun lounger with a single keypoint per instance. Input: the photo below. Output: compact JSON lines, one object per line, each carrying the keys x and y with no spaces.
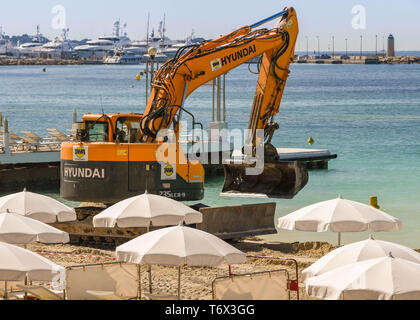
{"x":32,"y":135}
{"x":14,"y":136}
{"x":160,"y":298}
{"x":30,"y":142}
{"x":13,"y":141}
{"x":13,"y":296}
{"x":41,"y":292}
{"x":105,"y":295}
{"x":58,"y":135}
{"x":55,"y":131}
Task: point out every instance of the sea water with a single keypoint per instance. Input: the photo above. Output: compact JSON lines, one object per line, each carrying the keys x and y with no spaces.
{"x":367,"y":114}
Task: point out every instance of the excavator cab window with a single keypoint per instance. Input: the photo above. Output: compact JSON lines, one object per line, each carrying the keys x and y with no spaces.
{"x":127,"y":129}
{"x":97,"y":131}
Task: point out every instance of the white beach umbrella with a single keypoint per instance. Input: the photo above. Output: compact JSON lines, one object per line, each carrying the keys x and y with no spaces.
{"x":356,"y":252}
{"x":385,"y":278}
{"x":178,"y":246}
{"x":38,"y":207}
{"x":145,"y":210}
{"x":15,"y":228}
{"x":340,"y":215}
{"x":16,"y":263}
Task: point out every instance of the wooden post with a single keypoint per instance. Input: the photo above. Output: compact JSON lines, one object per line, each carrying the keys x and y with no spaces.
{"x":6,"y":139}
{"x":218,"y":95}
{"x":147,"y":80}
{"x":213,"y":104}
{"x":224,"y":97}
{"x":179,"y":283}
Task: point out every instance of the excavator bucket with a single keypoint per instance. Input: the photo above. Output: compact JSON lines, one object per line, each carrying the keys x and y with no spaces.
{"x":278,"y":180}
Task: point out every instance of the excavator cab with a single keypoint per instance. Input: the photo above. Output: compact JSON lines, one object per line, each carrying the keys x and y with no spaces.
{"x":107,"y":163}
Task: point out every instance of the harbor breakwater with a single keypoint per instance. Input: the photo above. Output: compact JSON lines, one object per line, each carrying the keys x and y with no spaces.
{"x":300,"y":59}
{"x":38,"y":61}
{"x":360,"y":60}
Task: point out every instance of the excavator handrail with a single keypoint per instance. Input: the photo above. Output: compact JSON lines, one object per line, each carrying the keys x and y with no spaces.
{"x":274,"y":16}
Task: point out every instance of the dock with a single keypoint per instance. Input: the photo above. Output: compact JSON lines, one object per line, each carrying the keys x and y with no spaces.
{"x":28,"y":161}
{"x":370,"y":59}
{"x":313,"y":159}
{"x":33,"y":162}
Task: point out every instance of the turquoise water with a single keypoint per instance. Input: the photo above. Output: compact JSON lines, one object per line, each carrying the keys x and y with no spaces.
{"x":368,"y":114}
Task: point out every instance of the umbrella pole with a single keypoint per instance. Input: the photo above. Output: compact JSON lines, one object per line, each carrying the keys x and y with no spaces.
{"x":139,"y":281}
{"x":339,"y":239}
{"x":179,"y":283}
{"x":150,"y":279}
{"x":26,"y":283}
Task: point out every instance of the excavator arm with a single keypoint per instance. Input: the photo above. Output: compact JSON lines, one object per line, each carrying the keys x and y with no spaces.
{"x":186,"y":72}
{"x":196,"y":65}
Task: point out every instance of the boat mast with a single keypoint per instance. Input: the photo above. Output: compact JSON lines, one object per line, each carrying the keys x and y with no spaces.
{"x":38,"y":34}
{"x":163,"y":31}
{"x":147,"y":32}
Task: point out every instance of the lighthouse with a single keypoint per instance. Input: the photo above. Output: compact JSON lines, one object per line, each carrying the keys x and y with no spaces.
{"x":391,"y":46}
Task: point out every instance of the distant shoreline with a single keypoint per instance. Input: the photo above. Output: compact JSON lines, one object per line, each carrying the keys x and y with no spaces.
{"x":43,"y":62}
{"x":300,"y":59}
{"x":359,"y":60}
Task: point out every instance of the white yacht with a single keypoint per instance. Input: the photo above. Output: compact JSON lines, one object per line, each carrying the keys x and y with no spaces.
{"x":104,"y":46}
{"x":136,"y":52}
{"x":171,"y":51}
{"x":138,"y":47}
{"x":32,"y":49}
{"x":124,"y":56}
{"x":160,"y":42}
{"x":59,"y":48}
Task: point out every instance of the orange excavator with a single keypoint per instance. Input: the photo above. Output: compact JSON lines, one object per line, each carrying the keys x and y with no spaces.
{"x":116,"y":156}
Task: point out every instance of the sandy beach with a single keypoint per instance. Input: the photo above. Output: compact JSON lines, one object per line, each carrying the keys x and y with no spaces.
{"x":197,"y":281}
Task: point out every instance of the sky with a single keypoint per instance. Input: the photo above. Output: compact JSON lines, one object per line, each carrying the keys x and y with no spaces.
{"x":317,"y":18}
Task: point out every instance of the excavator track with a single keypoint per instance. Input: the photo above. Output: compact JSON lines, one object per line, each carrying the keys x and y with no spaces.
{"x":256,"y":219}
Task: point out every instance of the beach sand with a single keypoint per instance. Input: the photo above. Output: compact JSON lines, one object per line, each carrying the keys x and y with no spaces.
{"x":196,"y":283}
